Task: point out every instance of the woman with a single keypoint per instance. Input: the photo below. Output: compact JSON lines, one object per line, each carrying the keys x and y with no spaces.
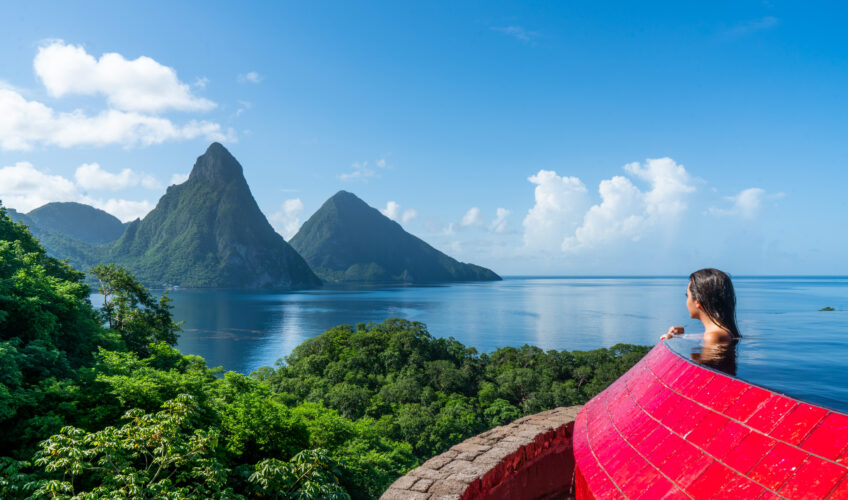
{"x":710,"y":298}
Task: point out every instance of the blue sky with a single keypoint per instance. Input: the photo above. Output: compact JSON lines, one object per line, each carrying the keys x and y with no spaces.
{"x":548,"y":138}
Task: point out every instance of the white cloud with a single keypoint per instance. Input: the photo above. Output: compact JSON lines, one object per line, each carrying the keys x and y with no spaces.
{"x":125,"y":210}
{"x":201,"y":82}
{"x":518,"y":32}
{"x":450,"y":230}
{"x":560,"y":203}
{"x":471,"y":218}
{"x":381,"y":163}
{"x":626,"y":212}
{"x":24,"y":124}
{"x":141,"y":84}
{"x":746,"y":204}
{"x":178,"y":179}
{"x":286,"y":221}
{"x":360,"y":171}
{"x":250,"y":77}
{"x":499,"y":224}
{"x":24,"y":187}
{"x":392,"y":210}
{"x":91,"y":176}
{"x":408,"y":215}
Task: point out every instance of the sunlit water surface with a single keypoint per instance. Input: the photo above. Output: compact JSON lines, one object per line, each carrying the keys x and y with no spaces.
{"x":789,"y":344}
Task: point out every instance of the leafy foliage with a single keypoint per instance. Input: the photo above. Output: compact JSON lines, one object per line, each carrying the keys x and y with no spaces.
{"x":433,"y":392}
{"x":99,"y":404}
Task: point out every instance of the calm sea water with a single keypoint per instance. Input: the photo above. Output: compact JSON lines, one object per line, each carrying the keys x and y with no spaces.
{"x":789,"y":345}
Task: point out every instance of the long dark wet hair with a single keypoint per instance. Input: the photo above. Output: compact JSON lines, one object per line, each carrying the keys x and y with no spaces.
{"x":714,"y":290}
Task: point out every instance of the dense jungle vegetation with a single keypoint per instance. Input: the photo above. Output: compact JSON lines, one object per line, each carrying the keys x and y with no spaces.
{"x":98,"y":403}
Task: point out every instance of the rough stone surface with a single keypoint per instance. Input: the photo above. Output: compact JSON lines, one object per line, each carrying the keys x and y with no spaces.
{"x":484,"y":462}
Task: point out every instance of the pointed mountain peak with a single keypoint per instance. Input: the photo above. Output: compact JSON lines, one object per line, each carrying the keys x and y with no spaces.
{"x":216,"y":165}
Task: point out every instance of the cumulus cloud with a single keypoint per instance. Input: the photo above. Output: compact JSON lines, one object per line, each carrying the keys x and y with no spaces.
{"x":24,"y":124}
{"x":92,"y":176}
{"x":24,"y":187}
{"x":141,"y":84}
{"x":746,"y":204}
{"x":360,"y":170}
{"x":125,"y":210}
{"x":471,"y":218}
{"x":408,"y":215}
{"x":178,"y":178}
{"x":626,"y":212}
{"x":560,"y":203}
{"x":499,"y":224}
{"x":250,"y":77}
{"x":393,"y":211}
{"x":287,"y":221}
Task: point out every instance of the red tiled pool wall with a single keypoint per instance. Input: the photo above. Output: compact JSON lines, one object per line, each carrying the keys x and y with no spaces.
{"x":671,"y":428}
{"x":537,"y":470}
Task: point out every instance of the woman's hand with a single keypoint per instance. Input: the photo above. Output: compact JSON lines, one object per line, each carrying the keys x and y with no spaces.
{"x":672,"y":331}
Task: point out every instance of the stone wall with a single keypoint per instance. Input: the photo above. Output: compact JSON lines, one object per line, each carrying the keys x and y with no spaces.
{"x":530,"y":458}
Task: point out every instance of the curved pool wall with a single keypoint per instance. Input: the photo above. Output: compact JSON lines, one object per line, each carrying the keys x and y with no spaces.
{"x":672,"y":428}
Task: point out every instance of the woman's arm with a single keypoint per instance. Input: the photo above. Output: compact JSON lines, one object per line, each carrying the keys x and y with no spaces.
{"x":672,"y":331}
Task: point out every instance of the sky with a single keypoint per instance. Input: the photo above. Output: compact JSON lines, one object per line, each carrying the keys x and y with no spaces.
{"x":552,"y":138}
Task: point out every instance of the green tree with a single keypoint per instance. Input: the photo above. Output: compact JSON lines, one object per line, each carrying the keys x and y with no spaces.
{"x":131,"y":310}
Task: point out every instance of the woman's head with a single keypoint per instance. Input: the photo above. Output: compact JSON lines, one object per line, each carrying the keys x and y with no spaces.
{"x":713,"y":291}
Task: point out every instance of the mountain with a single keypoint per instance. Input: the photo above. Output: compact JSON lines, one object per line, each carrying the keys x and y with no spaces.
{"x":78,"y":221}
{"x":209,"y":232}
{"x":348,"y":241}
{"x":80,"y":254}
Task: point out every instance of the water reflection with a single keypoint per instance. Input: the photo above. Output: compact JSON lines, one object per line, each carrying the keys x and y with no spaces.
{"x":719,"y":356}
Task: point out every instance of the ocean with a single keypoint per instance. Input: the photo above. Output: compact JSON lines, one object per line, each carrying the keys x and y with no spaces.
{"x":789,"y":345}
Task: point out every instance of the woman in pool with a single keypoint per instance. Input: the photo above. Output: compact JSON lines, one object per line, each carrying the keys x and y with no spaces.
{"x":711,"y":300}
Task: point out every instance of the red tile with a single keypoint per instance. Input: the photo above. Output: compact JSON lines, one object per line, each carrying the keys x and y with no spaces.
{"x":712,"y":389}
{"x":748,"y":452}
{"x":710,"y":481}
{"x":628,"y":471}
{"x":660,"y":487}
{"x":652,"y":440}
{"x":653,"y":403}
{"x":767,"y":495}
{"x":727,"y":438}
{"x":640,"y":482}
{"x":840,"y":492}
{"x":677,"y":463}
{"x":814,"y":479}
{"x":771,"y":412}
{"x":682,"y":418}
{"x":689,"y":372}
{"x":641,"y":431}
{"x":795,"y":426}
{"x":670,"y":402}
{"x":739,"y":488}
{"x":830,"y":438}
{"x":702,"y":433}
{"x":662,"y":451}
{"x":777,"y":466}
{"x":650,"y":392}
{"x":692,"y":471}
{"x":729,"y":396}
{"x":747,"y":404}
{"x":697,"y":382}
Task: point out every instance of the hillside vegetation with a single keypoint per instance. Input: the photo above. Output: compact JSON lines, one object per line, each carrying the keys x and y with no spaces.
{"x":97,"y":403}
{"x":348,"y":241}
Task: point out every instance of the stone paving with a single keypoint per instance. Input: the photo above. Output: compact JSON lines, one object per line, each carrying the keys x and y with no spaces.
{"x":461,"y":472}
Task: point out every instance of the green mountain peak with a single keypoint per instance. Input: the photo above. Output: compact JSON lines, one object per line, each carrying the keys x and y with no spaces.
{"x":347,"y":240}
